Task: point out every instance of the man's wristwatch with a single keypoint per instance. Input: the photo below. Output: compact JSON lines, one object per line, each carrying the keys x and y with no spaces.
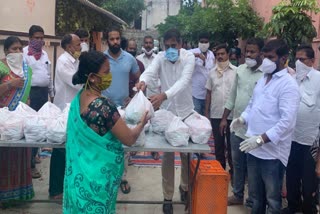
{"x":259,"y":141}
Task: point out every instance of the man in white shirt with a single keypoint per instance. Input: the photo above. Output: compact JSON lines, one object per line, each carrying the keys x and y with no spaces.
{"x":148,"y":55}
{"x":246,"y":79}
{"x":219,"y":85}
{"x":205,"y":61}
{"x":67,"y":66}
{"x":41,"y":83}
{"x":174,"y":67}
{"x":300,"y":175}
{"x":84,"y":38}
{"x":270,"y":117}
{"x":146,"y":58}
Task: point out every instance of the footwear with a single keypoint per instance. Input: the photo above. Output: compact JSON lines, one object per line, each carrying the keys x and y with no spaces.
{"x":125,"y":187}
{"x":167,"y":208}
{"x":155,"y":155}
{"x":233,"y":200}
{"x":183,"y":194}
{"x":287,"y":210}
{"x":35,"y":173}
{"x":37,"y":160}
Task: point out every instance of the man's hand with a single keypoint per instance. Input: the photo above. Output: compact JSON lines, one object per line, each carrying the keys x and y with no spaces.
{"x":157,"y":100}
{"x":223,"y":126}
{"x":200,"y":56}
{"x":141,"y":86}
{"x":251,"y":143}
{"x":236,"y":124}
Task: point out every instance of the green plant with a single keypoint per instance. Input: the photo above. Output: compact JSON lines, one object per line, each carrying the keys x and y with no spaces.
{"x":292,"y":22}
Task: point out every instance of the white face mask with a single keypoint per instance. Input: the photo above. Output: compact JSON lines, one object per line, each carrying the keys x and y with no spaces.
{"x":14,"y":61}
{"x":267,"y":66}
{"x":84,"y":47}
{"x":302,"y":71}
{"x":203,"y":47}
{"x":251,"y":62}
{"x":147,"y":52}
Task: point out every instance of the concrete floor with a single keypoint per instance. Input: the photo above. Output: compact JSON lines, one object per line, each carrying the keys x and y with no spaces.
{"x":145,"y":185}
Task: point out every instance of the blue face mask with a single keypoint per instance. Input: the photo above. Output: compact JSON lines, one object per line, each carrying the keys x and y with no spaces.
{"x":172,"y":54}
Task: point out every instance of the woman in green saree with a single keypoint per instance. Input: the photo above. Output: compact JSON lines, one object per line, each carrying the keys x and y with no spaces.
{"x":15,"y":84}
{"x":95,"y":134}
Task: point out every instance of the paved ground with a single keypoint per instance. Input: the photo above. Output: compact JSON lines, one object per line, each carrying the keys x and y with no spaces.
{"x":145,"y":185}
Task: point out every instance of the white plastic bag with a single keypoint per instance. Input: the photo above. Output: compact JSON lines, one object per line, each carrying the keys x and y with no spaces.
{"x":137,"y":107}
{"x":161,"y":120}
{"x":35,"y":130}
{"x":200,"y":128}
{"x":57,"y":131}
{"x":23,"y":110}
{"x":12,"y":129}
{"x":4,"y":115}
{"x":65,"y":112}
{"x":177,"y":133}
{"x":48,"y":112}
{"x":142,"y":137}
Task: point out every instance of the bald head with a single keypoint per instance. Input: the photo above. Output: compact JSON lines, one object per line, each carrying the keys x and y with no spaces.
{"x":71,"y":43}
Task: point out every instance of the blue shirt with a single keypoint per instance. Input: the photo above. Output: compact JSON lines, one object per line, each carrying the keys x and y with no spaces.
{"x":120,"y":69}
{"x":273,"y":110}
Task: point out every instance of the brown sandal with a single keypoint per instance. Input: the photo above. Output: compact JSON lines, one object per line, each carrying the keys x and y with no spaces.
{"x":35,"y":173}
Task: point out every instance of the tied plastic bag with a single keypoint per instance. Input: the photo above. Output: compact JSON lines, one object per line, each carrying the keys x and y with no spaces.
{"x":200,"y":128}
{"x":23,"y":110}
{"x":48,"y":112}
{"x":35,"y":130}
{"x":177,"y":133}
{"x":57,"y":131}
{"x":141,"y":139}
{"x":12,"y":129}
{"x":137,"y":107}
{"x":4,"y":116}
{"x":65,"y":112}
{"x":161,"y":120}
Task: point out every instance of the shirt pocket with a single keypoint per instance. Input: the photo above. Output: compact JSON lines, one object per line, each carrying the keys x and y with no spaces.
{"x":308,"y":98}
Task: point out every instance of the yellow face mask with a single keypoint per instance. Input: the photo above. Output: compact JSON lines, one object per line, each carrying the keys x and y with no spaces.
{"x":76,"y":54}
{"x":106,"y":80}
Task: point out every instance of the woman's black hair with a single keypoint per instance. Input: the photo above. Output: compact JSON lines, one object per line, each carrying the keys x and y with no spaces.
{"x":90,"y":62}
{"x":10,"y":41}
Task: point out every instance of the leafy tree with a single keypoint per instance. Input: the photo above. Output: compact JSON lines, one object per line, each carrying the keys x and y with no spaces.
{"x":127,"y":10}
{"x":225,"y":19}
{"x":292,"y":21}
{"x":71,"y":15}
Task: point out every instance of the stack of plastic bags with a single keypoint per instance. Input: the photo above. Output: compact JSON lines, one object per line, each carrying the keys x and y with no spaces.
{"x":134,"y":112}
{"x":34,"y":127}
{"x":11,"y":127}
{"x":49,"y":123}
{"x":178,"y":132}
{"x":200,"y":128}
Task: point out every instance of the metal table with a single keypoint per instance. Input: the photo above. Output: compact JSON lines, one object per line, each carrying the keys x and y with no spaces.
{"x":154,"y":143}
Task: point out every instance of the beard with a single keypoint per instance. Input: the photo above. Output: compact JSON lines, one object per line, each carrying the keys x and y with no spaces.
{"x":114,"y":48}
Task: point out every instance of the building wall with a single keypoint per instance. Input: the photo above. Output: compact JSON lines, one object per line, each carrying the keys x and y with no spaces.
{"x":18,"y":15}
{"x":157,"y":11}
{"x":264,"y":9}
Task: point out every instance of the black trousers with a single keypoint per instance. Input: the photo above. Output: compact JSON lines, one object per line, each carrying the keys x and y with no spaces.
{"x":38,"y":97}
{"x":220,"y":144}
{"x":57,"y":169}
{"x":301,"y":180}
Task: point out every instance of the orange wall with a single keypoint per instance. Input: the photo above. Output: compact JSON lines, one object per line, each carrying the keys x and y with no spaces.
{"x":264,"y":9}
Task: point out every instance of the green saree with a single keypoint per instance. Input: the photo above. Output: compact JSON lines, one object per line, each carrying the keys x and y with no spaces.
{"x":94,"y":167}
